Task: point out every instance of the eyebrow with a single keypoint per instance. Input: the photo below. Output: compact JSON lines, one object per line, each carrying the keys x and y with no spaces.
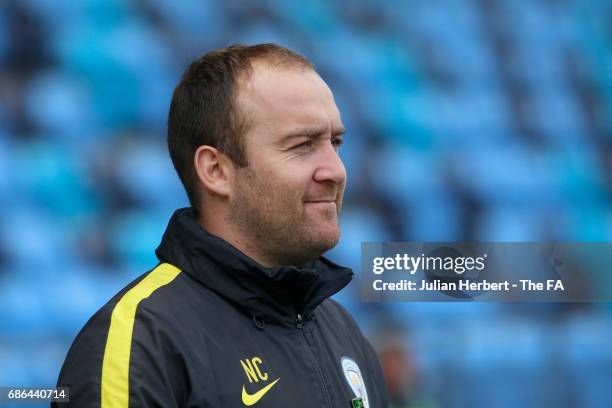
{"x":310,"y":132}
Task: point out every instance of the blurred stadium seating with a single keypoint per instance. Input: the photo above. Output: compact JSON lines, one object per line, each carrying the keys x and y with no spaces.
{"x":469,"y":120}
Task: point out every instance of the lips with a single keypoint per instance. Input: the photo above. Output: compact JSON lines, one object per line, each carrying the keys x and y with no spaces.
{"x":321,"y":199}
{"x":322,"y":204}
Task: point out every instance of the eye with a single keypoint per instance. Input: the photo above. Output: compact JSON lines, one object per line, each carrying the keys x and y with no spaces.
{"x":303,"y":146}
{"x":337,"y":142}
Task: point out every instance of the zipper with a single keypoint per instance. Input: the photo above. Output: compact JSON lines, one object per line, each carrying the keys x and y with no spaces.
{"x":299,"y":324}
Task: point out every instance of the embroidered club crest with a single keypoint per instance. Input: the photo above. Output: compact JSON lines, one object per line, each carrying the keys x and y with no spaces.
{"x":355,"y":379}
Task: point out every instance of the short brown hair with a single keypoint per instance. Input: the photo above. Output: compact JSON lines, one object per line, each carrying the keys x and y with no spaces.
{"x":204,"y":111}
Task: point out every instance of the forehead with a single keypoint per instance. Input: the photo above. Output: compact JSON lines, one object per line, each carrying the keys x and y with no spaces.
{"x":279,"y":99}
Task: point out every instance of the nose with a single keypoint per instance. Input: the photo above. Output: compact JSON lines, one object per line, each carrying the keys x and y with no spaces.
{"x":330,"y":167}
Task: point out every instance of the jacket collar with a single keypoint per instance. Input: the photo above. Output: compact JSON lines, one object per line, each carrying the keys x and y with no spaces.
{"x":272,"y":294}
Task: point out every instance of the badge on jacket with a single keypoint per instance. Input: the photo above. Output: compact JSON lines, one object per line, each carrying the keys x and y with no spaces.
{"x":355,"y":379}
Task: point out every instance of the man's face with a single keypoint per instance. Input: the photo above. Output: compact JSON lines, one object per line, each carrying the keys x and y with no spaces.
{"x":287,"y":200}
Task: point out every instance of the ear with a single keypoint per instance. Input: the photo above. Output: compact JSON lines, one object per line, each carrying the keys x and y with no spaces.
{"x":214,"y":170}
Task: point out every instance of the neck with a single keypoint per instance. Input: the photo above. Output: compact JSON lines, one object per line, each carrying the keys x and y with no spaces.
{"x":215,"y":222}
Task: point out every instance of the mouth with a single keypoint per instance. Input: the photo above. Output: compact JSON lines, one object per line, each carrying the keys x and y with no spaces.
{"x":324,"y":205}
{"x":321,"y":203}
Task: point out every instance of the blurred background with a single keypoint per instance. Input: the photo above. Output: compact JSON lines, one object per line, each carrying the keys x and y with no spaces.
{"x":471,"y":120}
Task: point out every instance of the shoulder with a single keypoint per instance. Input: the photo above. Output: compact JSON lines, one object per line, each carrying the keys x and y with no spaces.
{"x":110,"y":331}
{"x":129,"y":297}
{"x":147,"y":289}
{"x":152,"y":293}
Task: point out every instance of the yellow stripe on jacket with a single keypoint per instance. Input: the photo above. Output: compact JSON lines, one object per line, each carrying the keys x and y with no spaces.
{"x":116,"y":365}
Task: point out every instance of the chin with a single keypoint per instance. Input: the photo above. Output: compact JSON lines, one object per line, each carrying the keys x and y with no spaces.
{"x":328,"y":239}
{"x":315,"y":242}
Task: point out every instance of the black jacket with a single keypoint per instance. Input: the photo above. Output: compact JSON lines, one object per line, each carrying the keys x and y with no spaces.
{"x":209,"y":327}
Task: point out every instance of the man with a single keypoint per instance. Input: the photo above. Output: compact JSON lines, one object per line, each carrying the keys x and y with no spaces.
{"x":236,"y":314}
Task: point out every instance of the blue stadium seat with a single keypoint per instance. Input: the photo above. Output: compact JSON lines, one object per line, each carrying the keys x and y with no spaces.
{"x":60,"y":106}
{"x":430,"y":91}
{"x":142,"y":169}
{"x":199,"y":25}
{"x":4,"y":35}
{"x":54,"y":177}
{"x":489,"y":365}
{"x":34,"y":242}
{"x":134,"y":237}
{"x":588,"y":356}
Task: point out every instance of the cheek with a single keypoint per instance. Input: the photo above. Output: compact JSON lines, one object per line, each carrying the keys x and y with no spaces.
{"x":273,"y":194}
{"x":283,"y":185}
{"x":291,"y":181}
